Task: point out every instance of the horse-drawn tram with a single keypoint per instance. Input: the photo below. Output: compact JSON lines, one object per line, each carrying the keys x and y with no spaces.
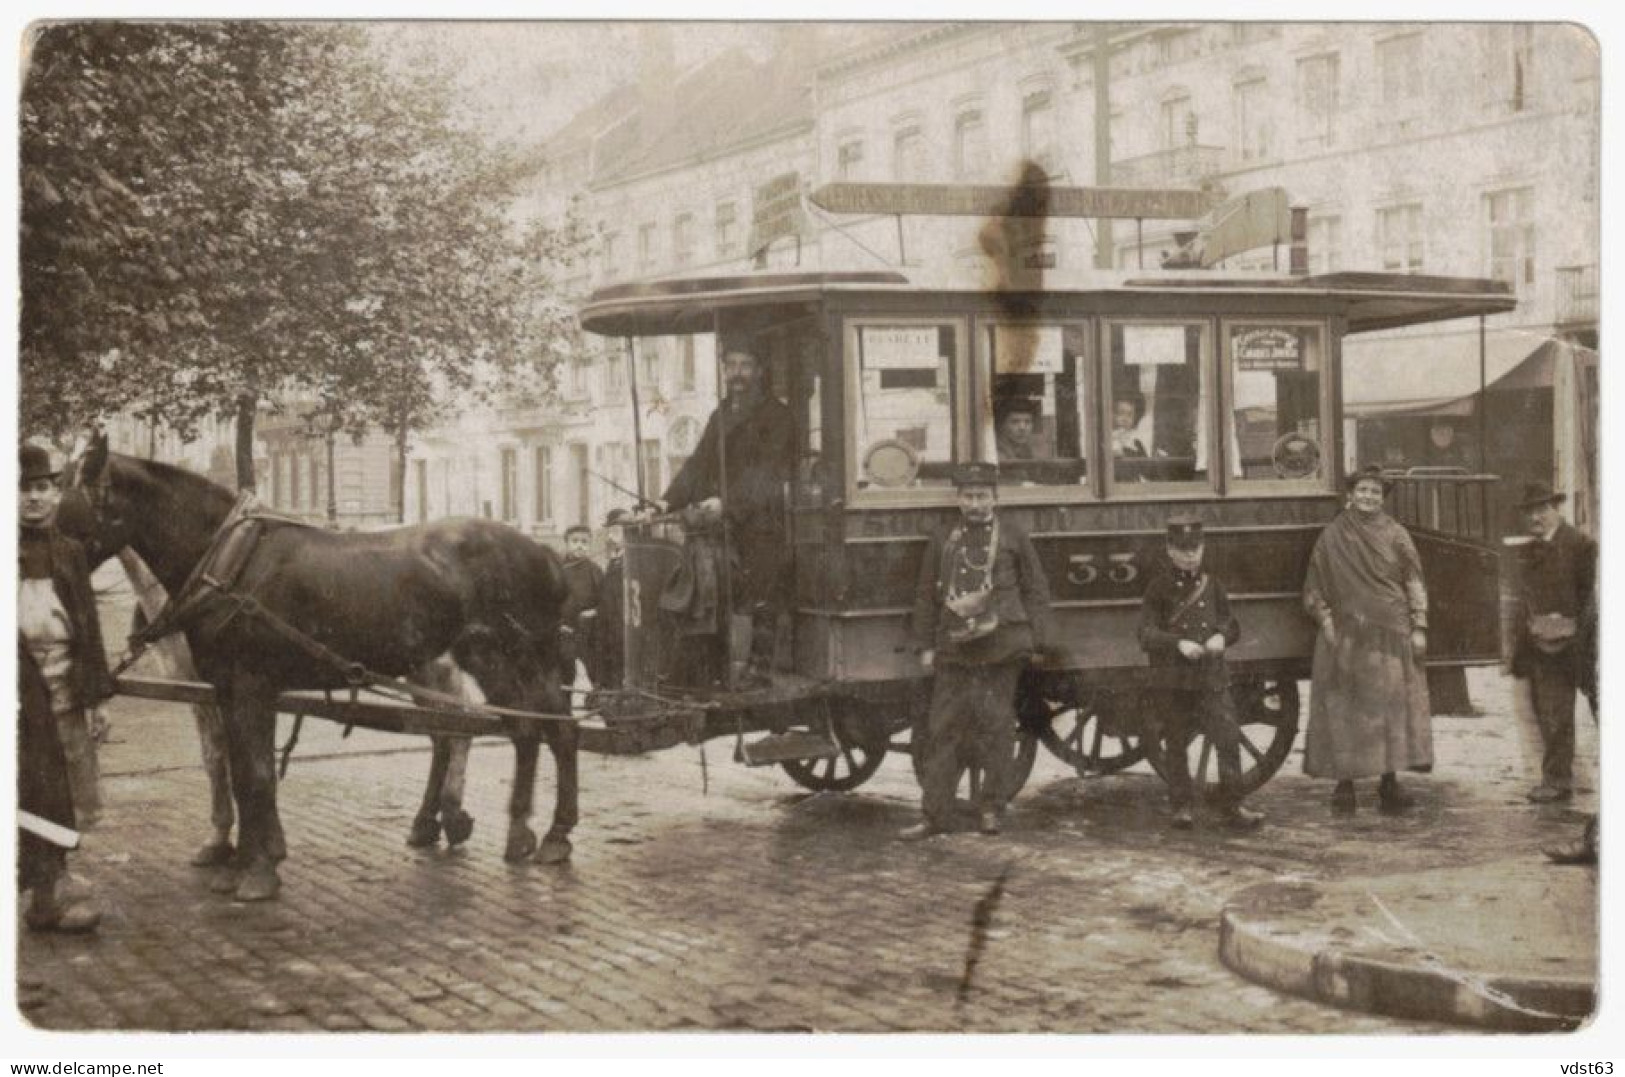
{"x":1147,"y":394}
{"x":1217,"y":394}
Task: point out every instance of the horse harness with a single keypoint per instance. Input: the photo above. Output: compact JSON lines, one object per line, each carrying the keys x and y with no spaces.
{"x":213,"y":580}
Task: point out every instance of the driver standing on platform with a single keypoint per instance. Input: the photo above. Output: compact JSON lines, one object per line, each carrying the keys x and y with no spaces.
{"x":759,"y":431}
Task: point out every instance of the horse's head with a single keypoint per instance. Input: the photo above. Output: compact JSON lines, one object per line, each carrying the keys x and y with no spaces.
{"x":91,"y":510}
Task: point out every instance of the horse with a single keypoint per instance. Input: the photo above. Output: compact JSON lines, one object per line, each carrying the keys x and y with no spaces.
{"x":390,"y":602}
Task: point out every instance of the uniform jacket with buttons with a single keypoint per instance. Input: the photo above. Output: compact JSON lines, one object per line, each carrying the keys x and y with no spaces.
{"x":1020,"y":596}
{"x":1163,"y":625}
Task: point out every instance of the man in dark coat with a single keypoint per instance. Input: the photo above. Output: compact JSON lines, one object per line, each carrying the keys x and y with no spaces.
{"x":74,"y":680}
{"x":981,"y":615}
{"x":609,"y":629}
{"x":1186,"y":625}
{"x":1557,"y":630}
{"x":583,"y":580}
{"x":755,"y":432}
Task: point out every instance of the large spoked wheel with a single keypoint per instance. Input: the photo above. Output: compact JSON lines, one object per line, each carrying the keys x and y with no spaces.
{"x":1267,"y":712}
{"x":861,"y":751}
{"x":1087,"y":730}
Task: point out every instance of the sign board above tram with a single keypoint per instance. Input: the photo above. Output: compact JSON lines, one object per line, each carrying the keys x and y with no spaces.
{"x":959,"y":200}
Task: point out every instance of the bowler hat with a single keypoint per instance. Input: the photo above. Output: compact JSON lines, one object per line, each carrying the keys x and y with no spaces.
{"x":614,"y":517}
{"x":1184,"y":531}
{"x":36,"y":464}
{"x":977,"y":474}
{"x":1538,"y":493}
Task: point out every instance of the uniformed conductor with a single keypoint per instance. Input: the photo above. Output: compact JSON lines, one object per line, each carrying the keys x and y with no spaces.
{"x":1186,"y":626}
{"x":981,"y":614}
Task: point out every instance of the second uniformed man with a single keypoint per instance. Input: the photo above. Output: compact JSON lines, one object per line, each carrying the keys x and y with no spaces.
{"x":1185,"y":627}
{"x":981,"y":614}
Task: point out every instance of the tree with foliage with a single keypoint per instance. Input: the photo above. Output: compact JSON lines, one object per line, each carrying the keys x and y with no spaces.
{"x":221,"y":216}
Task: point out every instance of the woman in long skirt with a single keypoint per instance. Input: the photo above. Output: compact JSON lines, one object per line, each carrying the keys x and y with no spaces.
{"x":1368,"y":712}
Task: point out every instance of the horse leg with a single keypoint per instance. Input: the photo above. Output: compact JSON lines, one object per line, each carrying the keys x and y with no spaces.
{"x":458,"y":823}
{"x":211,"y":735}
{"x":563,"y":741}
{"x":521,"y":839}
{"x":425,"y":826}
{"x":260,"y":832}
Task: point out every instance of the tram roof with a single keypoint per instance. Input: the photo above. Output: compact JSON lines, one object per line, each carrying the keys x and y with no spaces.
{"x":1370,"y":301}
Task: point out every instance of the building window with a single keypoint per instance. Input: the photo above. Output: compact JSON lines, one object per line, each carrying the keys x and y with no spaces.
{"x":1400,"y":238}
{"x":279,"y":479}
{"x":908,"y":154}
{"x":1511,"y":218}
{"x":687,"y":367}
{"x":1038,"y":129}
{"x":580,"y":379}
{"x":420,"y":469}
{"x":1178,"y":122}
{"x":293,"y":482}
{"x":1325,"y":244}
{"x":315,"y":483}
{"x":970,"y":145}
{"x":646,"y":248}
{"x":1317,"y":100}
{"x":611,"y":254}
{"x":583,"y":479}
{"x":510,"y":486}
{"x":651,"y":465}
{"x":682,"y":239}
{"x":849,"y":159}
{"x":727,"y":229}
{"x":681,"y":441}
{"x":1252,"y":119}
{"x":649,"y":366}
{"x":1399,"y":73}
{"x":615,"y":380}
{"x":543,"y":457}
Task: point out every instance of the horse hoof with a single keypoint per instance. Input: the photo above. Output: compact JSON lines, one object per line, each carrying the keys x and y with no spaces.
{"x":459,"y":825}
{"x":554,"y":851}
{"x":258,"y":886}
{"x":521,"y":843}
{"x":425,"y":832}
{"x":214,"y":854}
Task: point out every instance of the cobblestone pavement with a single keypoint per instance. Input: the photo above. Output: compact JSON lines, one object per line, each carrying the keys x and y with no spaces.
{"x":752,"y":906}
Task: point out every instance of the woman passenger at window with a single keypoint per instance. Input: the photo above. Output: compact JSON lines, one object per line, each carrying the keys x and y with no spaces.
{"x":1369,"y":711}
{"x":1126,"y":414}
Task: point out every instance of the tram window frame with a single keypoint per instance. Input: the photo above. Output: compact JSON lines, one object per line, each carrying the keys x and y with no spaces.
{"x":1015,"y":487}
{"x":1329,"y":430}
{"x":1208,"y":484}
{"x":941,"y":492}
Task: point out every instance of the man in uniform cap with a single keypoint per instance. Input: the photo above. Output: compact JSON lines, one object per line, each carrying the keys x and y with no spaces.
{"x":1186,"y":625}
{"x":981,"y":614}
{"x":1555,"y":652}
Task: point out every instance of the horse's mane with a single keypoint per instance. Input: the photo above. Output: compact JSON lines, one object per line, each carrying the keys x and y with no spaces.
{"x":174,"y":476}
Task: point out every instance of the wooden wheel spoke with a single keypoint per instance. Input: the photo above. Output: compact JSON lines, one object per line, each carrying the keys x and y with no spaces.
{"x":851,"y":763}
{"x":1202,"y":761}
{"x":1094,"y":748}
{"x":1252,"y":749}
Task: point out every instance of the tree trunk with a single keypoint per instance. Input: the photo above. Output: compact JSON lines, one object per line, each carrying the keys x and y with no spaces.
{"x":247,"y":407}
{"x":400,"y":471}
{"x":332,"y":485}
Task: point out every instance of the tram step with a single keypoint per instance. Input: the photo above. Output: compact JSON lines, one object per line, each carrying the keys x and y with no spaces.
{"x":776,"y":748}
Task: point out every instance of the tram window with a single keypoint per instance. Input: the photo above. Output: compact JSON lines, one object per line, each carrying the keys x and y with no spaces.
{"x":1275,"y":430}
{"x":1039,"y":423}
{"x":904,"y":414}
{"x":1160,"y":388}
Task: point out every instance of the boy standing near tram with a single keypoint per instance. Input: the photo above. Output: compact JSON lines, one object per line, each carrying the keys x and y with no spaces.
{"x":1186,"y":626}
{"x":981,"y":615}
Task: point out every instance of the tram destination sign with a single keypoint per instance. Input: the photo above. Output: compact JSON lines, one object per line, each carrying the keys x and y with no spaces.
{"x":960,"y":200}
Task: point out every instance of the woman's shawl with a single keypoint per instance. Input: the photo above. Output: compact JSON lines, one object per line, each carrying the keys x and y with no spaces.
{"x":1365,"y":572}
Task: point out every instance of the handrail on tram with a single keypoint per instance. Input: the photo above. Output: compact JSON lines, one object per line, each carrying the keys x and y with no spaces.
{"x":1449,"y":500}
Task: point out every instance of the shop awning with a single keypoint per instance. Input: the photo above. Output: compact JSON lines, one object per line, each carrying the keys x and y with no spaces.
{"x":1438,"y":373}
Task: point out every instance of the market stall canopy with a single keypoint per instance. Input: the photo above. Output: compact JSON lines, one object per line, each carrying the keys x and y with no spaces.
{"x":1438,"y":373}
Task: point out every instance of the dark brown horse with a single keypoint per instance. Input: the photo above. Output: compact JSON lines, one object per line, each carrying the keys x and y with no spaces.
{"x":392,"y":601}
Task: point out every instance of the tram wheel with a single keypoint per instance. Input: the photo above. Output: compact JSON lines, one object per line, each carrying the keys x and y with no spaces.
{"x":1082,"y":728}
{"x":853,"y":764}
{"x":1267,"y":712}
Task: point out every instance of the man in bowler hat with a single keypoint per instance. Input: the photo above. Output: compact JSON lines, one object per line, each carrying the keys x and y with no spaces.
{"x":981,"y":615}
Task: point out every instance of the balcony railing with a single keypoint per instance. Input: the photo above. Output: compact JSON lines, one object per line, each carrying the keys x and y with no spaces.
{"x":1577,"y":295}
{"x":1182,"y":166}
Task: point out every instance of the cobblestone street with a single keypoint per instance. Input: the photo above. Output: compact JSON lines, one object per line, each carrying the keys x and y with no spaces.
{"x":751,"y":906}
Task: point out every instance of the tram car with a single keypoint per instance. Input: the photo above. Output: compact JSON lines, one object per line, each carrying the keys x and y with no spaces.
{"x":1202,"y":392}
